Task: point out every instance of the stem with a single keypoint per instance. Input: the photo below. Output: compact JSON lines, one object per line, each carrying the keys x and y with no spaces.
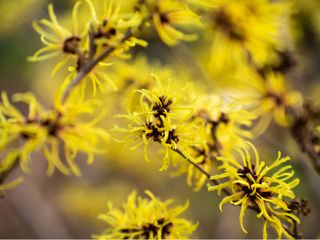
{"x":204,"y":172}
{"x":92,"y":63}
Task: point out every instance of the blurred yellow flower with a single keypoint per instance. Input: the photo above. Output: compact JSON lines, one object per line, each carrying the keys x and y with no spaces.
{"x":269,"y":98}
{"x":137,"y":74}
{"x":224,"y":124}
{"x":226,"y":121}
{"x":48,"y":130}
{"x":142,"y":218}
{"x":169,"y":14}
{"x":246,"y":30}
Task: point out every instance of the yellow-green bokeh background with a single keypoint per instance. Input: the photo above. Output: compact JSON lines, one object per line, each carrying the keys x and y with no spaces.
{"x":67,"y":207}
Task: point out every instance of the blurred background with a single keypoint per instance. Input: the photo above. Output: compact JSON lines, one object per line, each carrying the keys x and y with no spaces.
{"x":67,"y":206}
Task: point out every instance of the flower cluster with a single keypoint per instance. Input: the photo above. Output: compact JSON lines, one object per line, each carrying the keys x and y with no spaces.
{"x":111,"y":30}
{"x":48,"y":131}
{"x":108,"y":22}
{"x":143,"y":218}
{"x":108,"y":31}
{"x":259,"y":186}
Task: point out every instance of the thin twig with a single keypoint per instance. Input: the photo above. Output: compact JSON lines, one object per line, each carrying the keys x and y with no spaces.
{"x":204,"y":172}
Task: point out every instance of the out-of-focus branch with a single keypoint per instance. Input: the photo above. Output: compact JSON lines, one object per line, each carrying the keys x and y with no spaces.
{"x":304,"y":132}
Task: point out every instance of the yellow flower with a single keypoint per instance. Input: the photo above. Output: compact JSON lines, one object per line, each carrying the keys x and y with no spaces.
{"x":254,"y":185}
{"x":161,"y":117}
{"x":167,"y":14}
{"x":58,"y":40}
{"x":269,"y":98}
{"x":48,"y":130}
{"x":243,"y":30}
{"x":142,"y":218}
